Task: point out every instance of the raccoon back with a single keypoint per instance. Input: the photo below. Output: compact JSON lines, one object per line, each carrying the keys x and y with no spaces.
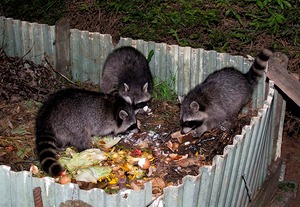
{"x":223,"y":93}
{"x":70,"y":117}
{"x":127,"y":65}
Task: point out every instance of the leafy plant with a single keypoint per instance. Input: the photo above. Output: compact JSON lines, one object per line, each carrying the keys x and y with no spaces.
{"x":163,"y":90}
{"x":150,"y":55}
{"x":287,"y":186}
{"x":271,"y":15}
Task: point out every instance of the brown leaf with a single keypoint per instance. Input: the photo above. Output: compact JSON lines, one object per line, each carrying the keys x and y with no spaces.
{"x":158,"y":182}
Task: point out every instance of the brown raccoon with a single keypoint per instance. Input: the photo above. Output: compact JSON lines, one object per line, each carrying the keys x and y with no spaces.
{"x":71,"y":117}
{"x":126,"y":72}
{"x":221,"y":96}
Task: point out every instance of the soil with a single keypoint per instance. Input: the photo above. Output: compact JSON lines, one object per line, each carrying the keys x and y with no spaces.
{"x":25,"y":85}
{"x":21,"y":96}
{"x":290,"y":149}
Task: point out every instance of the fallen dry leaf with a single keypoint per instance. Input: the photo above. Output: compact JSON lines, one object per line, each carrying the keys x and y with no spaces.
{"x":158,"y":182}
{"x":182,"y":137}
{"x":185,"y":162}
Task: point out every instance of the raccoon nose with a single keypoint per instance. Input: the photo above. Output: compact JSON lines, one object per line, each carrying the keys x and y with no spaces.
{"x":185,"y":130}
{"x":134,"y":128}
{"x":140,"y":105}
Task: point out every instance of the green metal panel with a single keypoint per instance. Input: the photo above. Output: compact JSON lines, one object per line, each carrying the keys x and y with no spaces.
{"x":6,"y":187}
{"x":206,"y":173}
{"x":219,"y":161}
{"x":238,"y":147}
{"x":191,"y":185}
{"x":229,"y":154}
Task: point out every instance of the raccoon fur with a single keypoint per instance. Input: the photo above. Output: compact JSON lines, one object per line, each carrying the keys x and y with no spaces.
{"x":218,"y":100}
{"x":70,"y":117}
{"x":126,"y":72}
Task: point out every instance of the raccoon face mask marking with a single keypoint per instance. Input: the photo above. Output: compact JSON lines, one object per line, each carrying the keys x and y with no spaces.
{"x":192,"y":117}
{"x":138,"y":98}
{"x":128,"y":123}
{"x":190,"y":125}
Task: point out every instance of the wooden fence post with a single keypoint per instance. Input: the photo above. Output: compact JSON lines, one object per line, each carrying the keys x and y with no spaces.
{"x":62,"y":45}
{"x":277,"y":72}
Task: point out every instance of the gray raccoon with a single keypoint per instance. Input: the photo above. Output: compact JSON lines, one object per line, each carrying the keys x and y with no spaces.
{"x":71,"y":117}
{"x":126,"y":72}
{"x":219,"y":99}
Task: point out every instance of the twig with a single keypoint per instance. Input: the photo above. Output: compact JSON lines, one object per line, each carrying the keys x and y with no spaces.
{"x":249,"y":193}
{"x":152,"y":201}
{"x":21,"y":58}
{"x":47,"y":59}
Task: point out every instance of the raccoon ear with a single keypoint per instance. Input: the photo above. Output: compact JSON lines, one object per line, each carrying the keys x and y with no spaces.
{"x":195,"y":106}
{"x":126,"y":87}
{"x":145,"y":87}
{"x":123,"y":114}
{"x":181,"y":98}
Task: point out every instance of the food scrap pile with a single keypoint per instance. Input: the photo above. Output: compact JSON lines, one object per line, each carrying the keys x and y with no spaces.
{"x":159,"y":154}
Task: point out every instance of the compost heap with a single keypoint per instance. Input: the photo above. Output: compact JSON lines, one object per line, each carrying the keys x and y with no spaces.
{"x":159,"y":154}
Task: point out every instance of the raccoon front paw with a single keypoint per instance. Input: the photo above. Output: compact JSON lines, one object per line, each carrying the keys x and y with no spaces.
{"x":200,"y":131}
{"x":225,"y":125}
{"x":223,"y":128}
{"x":195,"y":134}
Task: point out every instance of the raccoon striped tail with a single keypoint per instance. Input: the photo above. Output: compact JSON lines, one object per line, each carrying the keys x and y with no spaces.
{"x":47,"y":153}
{"x":259,"y":65}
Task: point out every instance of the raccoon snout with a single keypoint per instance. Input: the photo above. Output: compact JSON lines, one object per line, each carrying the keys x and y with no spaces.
{"x":185,"y":130}
{"x":134,"y":129}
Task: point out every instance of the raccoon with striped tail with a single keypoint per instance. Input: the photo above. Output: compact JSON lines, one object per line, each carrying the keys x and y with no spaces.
{"x":70,"y":117}
{"x":220,"y":97}
{"x":126,"y":72}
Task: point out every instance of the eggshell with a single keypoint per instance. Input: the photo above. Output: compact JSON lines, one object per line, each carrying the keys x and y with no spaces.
{"x":144,"y":163}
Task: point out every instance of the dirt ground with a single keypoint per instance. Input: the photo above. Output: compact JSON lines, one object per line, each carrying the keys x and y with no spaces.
{"x":24,"y":85}
{"x":290,"y":151}
{"x":291,"y":155}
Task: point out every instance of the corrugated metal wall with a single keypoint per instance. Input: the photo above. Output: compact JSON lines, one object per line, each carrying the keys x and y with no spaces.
{"x":16,"y":191}
{"x":88,"y":50}
{"x":218,"y":185}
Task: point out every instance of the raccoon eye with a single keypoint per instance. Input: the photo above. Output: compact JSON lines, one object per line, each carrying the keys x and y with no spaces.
{"x":191,"y":124}
{"x":133,"y":126}
{"x":140,"y":105}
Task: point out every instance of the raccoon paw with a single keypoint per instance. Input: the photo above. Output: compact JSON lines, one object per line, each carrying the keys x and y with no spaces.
{"x":195,"y":134}
{"x":223,"y":128}
{"x":225,"y":125}
{"x":200,"y":131}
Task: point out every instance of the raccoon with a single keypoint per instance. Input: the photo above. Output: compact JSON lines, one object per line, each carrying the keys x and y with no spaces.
{"x":70,"y":117}
{"x":218,"y":100}
{"x":126,"y":72}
